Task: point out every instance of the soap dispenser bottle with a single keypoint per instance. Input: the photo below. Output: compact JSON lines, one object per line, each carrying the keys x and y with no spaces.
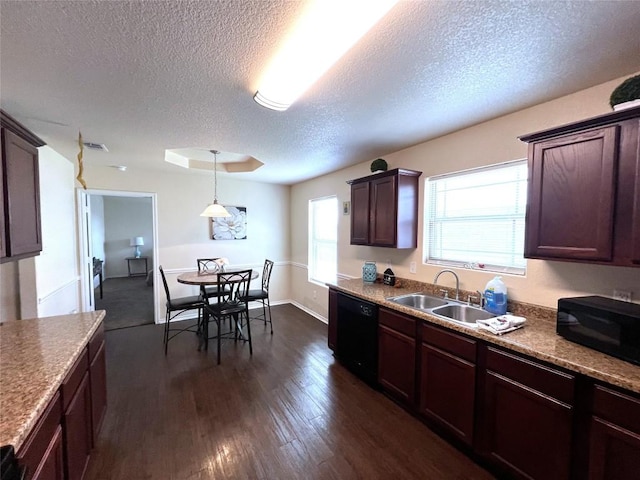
{"x":495,"y":294}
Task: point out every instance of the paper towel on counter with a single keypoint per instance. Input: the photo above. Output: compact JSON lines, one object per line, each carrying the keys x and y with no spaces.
{"x":501,"y":324}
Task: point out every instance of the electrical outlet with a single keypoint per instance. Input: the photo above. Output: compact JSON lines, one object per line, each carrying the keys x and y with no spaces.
{"x":412,"y":267}
{"x":622,"y":295}
{"x":388,"y":263}
{"x":315,"y":295}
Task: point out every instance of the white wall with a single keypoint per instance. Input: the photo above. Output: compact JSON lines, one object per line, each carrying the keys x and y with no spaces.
{"x":183,"y":235}
{"x":124,"y":218}
{"x":56,"y":268}
{"x":484,"y":144}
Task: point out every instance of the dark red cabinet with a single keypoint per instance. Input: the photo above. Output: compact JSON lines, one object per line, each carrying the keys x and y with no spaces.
{"x":41,"y":453}
{"x":384,"y":209}
{"x":448,"y":380}
{"x":76,"y":419}
{"x":397,"y":355}
{"x":528,"y":417}
{"x":98,"y":381}
{"x":332,"y":334}
{"x":20,"y":190}
{"x":584,"y":191}
{"x":614,"y":438}
{"x":77,"y":431}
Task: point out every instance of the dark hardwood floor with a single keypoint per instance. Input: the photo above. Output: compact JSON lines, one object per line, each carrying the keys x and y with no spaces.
{"x":288,"y":412}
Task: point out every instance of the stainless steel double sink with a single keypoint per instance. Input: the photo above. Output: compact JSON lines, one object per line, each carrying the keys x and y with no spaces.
{"x":444,"y":308}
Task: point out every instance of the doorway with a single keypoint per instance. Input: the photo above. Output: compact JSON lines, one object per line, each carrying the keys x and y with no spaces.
{"x":119,"y":238}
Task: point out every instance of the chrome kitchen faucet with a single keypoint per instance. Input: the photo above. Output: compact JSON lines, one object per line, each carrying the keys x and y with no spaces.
{"x":435,"y":281}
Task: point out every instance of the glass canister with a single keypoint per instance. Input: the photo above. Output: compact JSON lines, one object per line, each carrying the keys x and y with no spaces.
{"x":369,"y":272}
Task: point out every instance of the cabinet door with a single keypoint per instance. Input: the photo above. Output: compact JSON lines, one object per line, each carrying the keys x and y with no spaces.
{"x":383,"y":215}
{"x":572,"y":196}
{"x":51,"y":467}
{"x":20,"y":161}
{"x":98,"y":377}
{"x":360,"y":213}
{"x":614,"y":452}
{"x":635,"y":216}
{"x":447,"y":391}
{"x":77,"y":431}
{"x":332,"y":335}
{"x":526,"y":432}
{"x":396,"y":363}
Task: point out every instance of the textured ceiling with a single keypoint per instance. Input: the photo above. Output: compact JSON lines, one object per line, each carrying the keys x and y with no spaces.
{"x":142,"y":77}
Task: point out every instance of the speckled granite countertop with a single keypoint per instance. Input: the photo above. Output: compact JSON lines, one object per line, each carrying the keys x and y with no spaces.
{"x":35,"y":357}
{"x":537,"y":338}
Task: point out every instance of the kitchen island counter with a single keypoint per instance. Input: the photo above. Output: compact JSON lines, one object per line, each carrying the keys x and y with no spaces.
{"x":35,"y":357}
{"x":537,"y":338}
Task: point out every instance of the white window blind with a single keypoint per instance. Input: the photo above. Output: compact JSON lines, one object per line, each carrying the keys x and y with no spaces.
{"x":323,"y":239}
{"x":475,"y":219}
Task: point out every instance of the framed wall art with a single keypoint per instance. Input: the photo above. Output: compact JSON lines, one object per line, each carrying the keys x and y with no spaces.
{"x":230,"y":228}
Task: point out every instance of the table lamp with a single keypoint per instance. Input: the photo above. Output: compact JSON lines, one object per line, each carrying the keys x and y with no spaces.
{"x":137,"y":242}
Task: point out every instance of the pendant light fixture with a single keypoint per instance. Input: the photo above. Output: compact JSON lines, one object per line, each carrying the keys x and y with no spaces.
{"x":215,"y":209}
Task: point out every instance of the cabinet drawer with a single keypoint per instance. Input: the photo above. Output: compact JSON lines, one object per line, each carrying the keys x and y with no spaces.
{"x":397,"y":321}
{"x":617,"y":408}
{"x":544,"y":379}
{"x":34,"y":448}
{"x":73,"y":379}
{"x":449,"y":342}
{"x":96,"y":340}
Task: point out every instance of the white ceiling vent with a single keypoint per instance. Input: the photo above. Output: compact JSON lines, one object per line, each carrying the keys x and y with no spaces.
{"x":95,"y":146}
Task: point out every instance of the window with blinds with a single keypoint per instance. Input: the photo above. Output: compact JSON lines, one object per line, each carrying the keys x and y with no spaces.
{"x":323,"y":239}
{"x":475,"y":219}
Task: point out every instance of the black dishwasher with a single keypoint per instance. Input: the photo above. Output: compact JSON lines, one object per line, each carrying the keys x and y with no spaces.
{"x":357,"y":343}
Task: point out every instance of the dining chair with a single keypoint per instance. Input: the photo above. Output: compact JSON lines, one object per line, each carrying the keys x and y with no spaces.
{"x":262,"y":294}
{"x":232,"y":288}
{"x":177,"y":306}
{"x":210,"y":266}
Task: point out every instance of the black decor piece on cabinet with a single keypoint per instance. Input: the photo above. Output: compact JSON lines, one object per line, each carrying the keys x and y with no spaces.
{"x":384,"y":209}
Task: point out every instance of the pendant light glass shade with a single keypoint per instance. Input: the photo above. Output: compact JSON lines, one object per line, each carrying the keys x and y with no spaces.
{"x":215,"y":209}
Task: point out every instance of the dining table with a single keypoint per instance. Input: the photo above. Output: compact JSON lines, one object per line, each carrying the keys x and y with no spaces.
{"x":205,"y":279}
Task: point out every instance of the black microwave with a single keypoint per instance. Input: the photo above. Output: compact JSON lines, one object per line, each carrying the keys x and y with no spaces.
{"x":607,"y":325}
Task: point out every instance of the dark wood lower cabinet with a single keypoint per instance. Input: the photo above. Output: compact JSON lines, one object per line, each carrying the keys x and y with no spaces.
{"x":98,"y":379}
{"x":526,"y":432}
{"x":52,"y":465}
{"x":614,"y":452}
{"x":522,"y":417}
{"x":396,"y":365}
{"x":41,"y":453}
{"x":447,"y":391}
{"x":614,"y":437}
{"x":448,"y":380}
{"x":397,"y":355}
{"x":59,"y":446}
{"x":332,"y":335}
{"x":77,"y":431}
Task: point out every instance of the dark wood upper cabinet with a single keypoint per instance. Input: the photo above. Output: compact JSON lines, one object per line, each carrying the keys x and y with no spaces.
{"x":20,"y":213}
{"x":584,"y":191}
{"x":384,"y":209}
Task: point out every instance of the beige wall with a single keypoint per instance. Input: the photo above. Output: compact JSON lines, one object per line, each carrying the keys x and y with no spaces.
{"x":483,"y":144}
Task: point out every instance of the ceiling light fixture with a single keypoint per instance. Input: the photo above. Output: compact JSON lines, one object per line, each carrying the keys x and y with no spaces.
{"x":321,"y":36}
{"x":215,"y":209}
